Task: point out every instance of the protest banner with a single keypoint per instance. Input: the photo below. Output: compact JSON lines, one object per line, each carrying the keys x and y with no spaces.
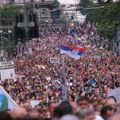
{"x":54,"y":60}
{"x":7,"y":70}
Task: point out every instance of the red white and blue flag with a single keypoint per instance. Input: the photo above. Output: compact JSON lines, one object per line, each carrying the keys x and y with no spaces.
{"x":73,"y":51}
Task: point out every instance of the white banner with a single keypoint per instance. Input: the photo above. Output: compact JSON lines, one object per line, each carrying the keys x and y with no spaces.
{"x":54,"y":60}
{"x":7,"y":74}
{"x":7,"y":70}
{"x":34,"y":103}
{"x":115,"y":93}
{"x":6,"y":65}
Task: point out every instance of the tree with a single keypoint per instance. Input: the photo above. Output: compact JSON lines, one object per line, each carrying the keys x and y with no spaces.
{"x":108,"y":20}
{"x":84,"y":3}
{"x":7,"y":14}
{"x":7,"y":18}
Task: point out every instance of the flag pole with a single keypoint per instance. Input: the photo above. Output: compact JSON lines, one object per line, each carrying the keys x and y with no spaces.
{"x":64,"y":90}
{"x":64,"y":74}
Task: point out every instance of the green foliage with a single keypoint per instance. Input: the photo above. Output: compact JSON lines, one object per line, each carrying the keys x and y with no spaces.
{"x":7,"y":18}
{"x":7,"y":14}
{"x":108,"y":20}
{"x":84,"y":3}
{"x":7,"y":44}
{"x":90,"y":15}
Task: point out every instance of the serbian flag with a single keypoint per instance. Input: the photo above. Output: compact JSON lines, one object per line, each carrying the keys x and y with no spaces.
{"x":73,"y":51}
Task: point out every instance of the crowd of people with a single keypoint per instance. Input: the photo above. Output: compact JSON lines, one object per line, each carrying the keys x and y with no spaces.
{"x":89,"y":79}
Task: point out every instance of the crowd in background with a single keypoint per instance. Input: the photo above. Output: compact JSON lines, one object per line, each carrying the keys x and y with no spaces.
{"x":89,"y":79}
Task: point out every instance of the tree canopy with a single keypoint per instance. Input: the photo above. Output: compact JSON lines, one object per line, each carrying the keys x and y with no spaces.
{"x":84,"y":3}
{"x":7,"y":14}
{"x":7,"y":18}
{"x":107,"y":18}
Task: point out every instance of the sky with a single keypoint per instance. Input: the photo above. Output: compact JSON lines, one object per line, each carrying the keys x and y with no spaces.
{"x":67,"y":1}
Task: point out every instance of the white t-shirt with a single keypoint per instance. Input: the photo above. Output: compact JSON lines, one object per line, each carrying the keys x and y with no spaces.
{"x":97,"y":117}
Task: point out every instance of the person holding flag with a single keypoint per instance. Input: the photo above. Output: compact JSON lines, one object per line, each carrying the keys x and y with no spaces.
{"x":76,"y":53}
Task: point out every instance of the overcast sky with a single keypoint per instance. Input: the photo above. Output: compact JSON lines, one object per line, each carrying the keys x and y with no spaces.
{"x":67,"y":1}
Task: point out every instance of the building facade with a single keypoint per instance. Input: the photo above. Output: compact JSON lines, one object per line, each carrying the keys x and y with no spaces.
{"x":44,"y":8}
